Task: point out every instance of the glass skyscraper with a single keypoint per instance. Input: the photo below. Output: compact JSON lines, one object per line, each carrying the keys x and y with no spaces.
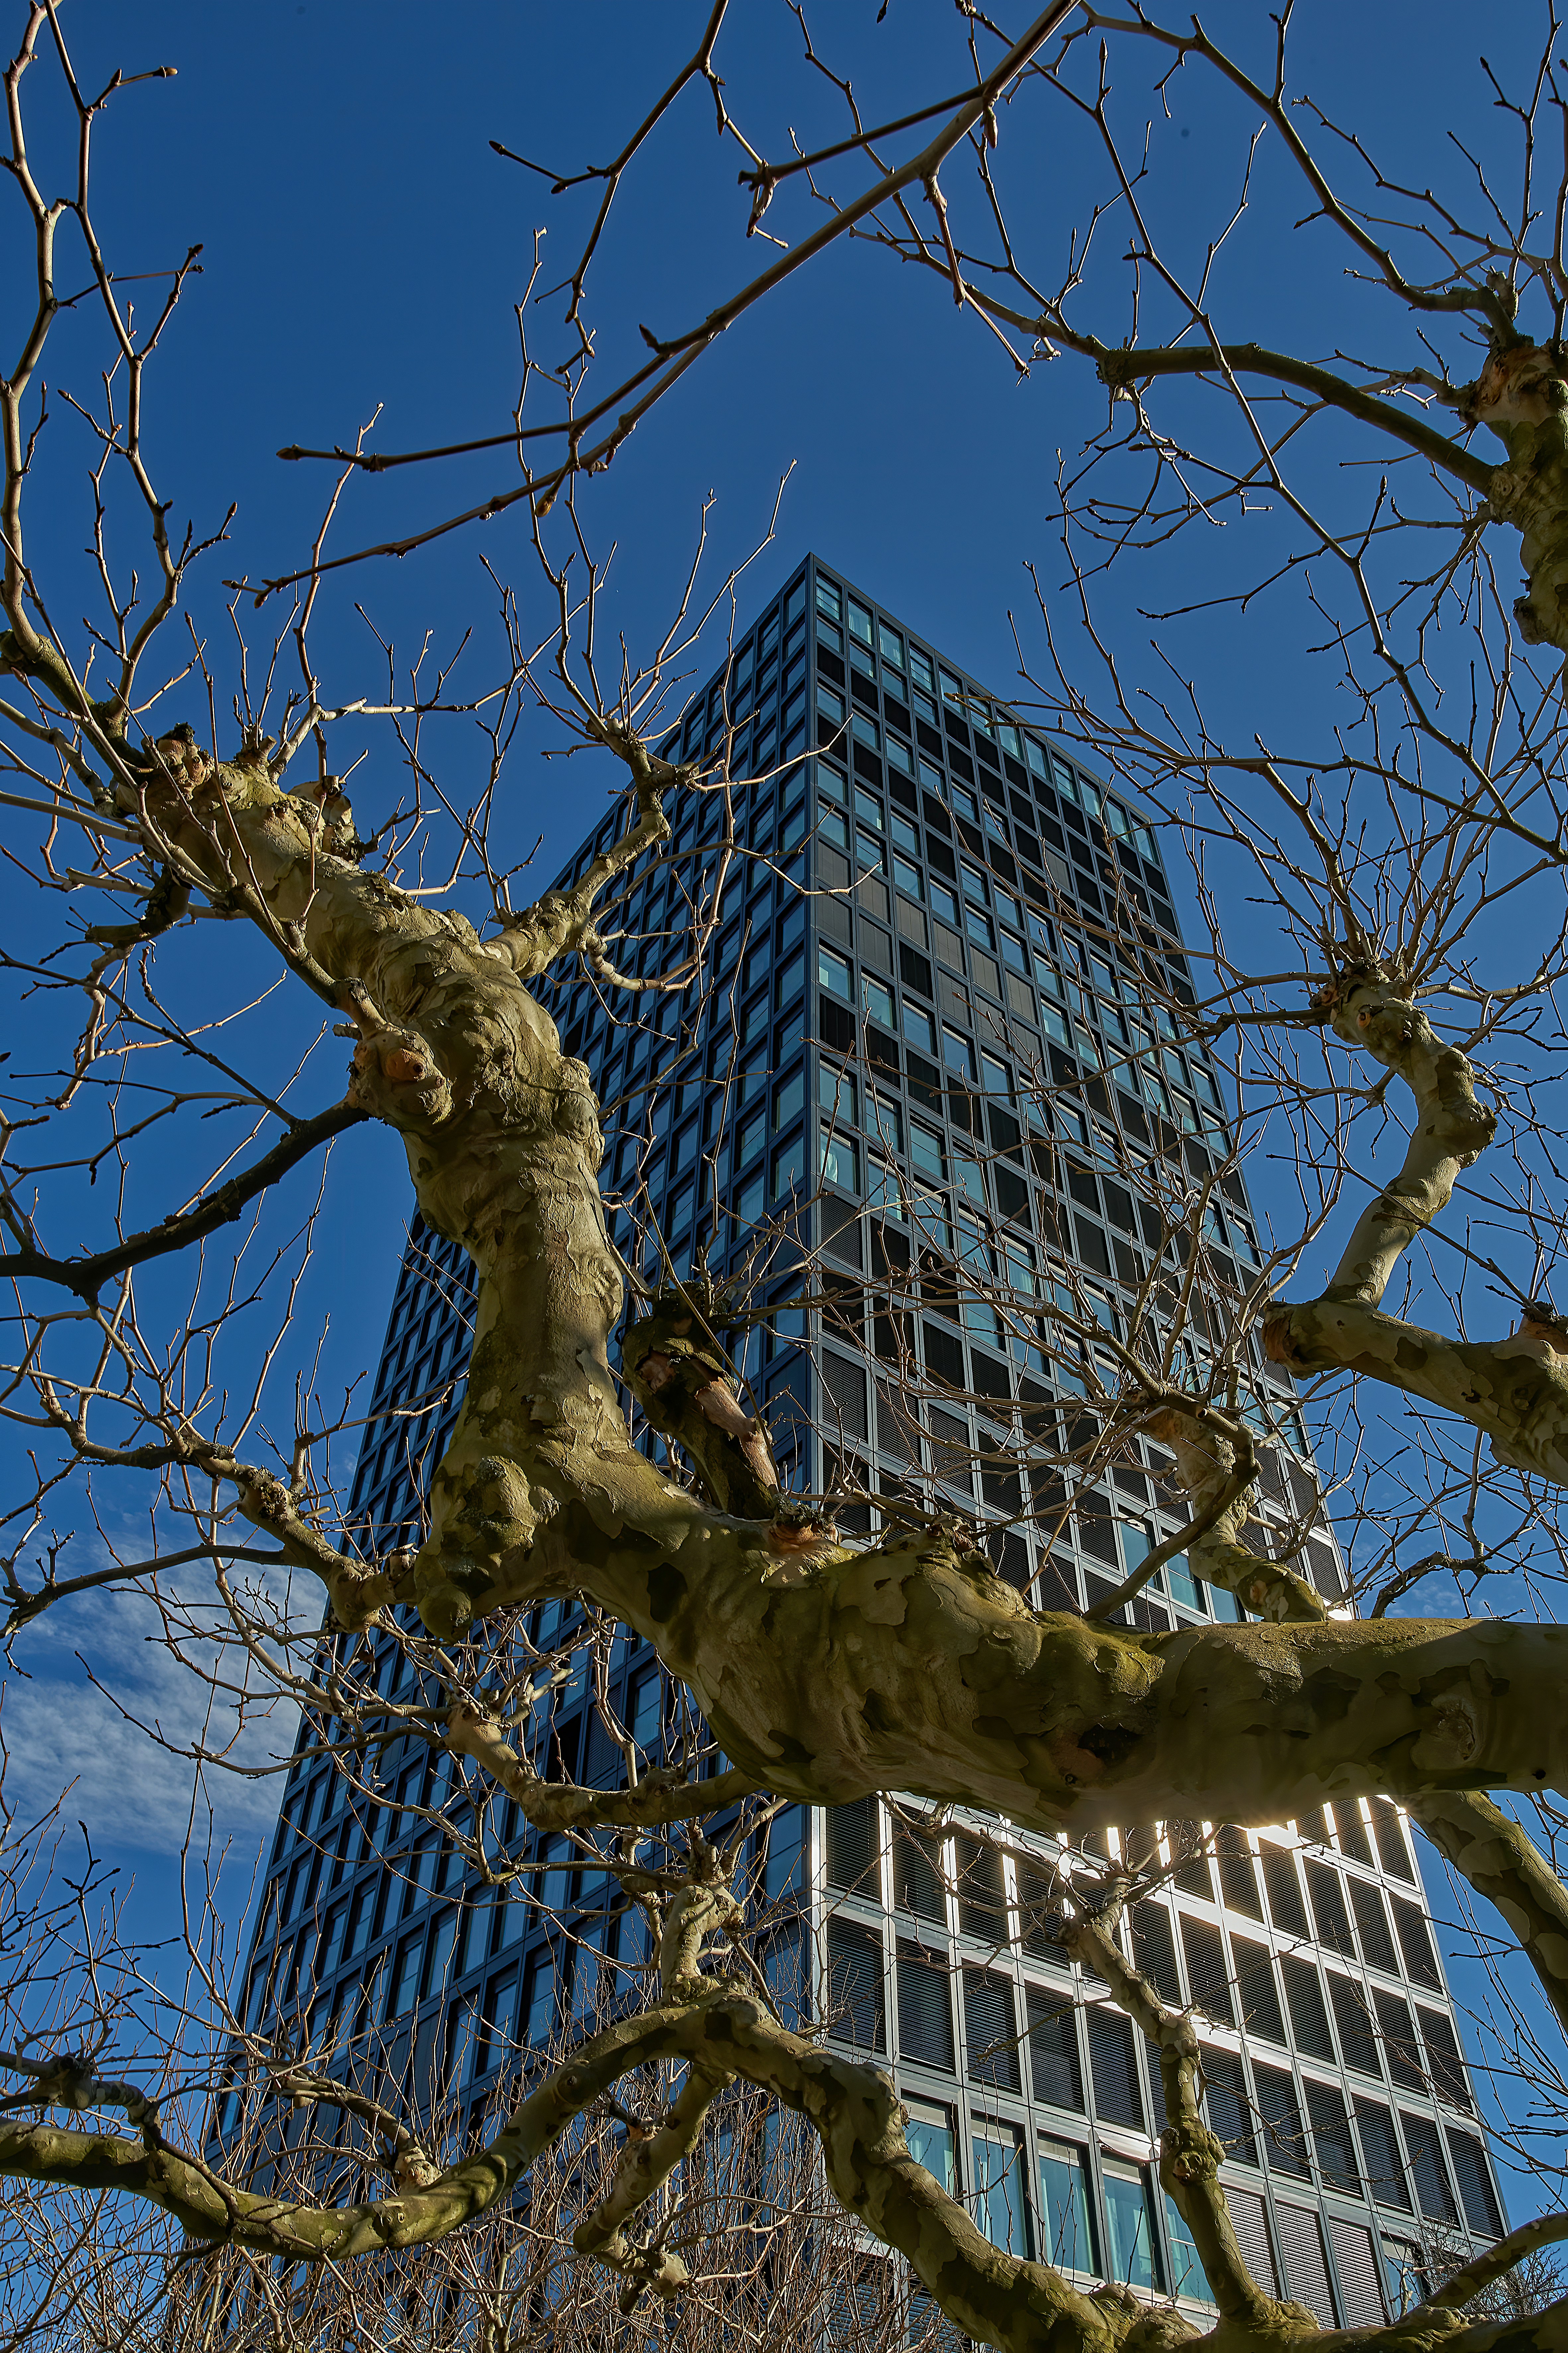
{"x":929,"y":1044}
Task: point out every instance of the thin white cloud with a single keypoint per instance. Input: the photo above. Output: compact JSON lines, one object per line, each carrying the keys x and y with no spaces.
{"x":62,"y":1729}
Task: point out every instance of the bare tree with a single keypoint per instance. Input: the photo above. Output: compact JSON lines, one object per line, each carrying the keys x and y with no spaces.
{"x":1396,"y":994}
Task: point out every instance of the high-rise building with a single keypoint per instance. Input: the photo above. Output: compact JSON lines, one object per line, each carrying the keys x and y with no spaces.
{"x":931,"y":1041}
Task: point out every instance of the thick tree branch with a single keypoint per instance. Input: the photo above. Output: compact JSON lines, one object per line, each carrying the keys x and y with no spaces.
{"x":661,"y":1796}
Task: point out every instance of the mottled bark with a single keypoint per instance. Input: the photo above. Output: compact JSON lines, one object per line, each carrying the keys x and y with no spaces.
{"x":1523,"y":395}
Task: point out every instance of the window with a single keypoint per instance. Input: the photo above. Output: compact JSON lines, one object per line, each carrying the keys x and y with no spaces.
{"x":930,"y":2136}
{"x":829,"y":780}
{"x":1480,"y":2203}
{"x":647,"y":1707}
{"x":539,"y":1999}
{"x":859,"y":623}
{"x":833,"y":972}
{"x":945,"y":902}
{"x":841,"y":1164}
{"x":908,"y":878}
{"x":918,"y":1028}
{"x":973,"y":885}
{"x":1128,"y":2226}
{"x":1384,"y":2168}
{"x":1052,"y":2049}
{"x":885,"y":1119}
{"x":1405,"y":2270}
{"x":998,"y":2199}
{"x":789,"y":1164}
{"x":991,"y":2029}
{"x":749,"y":1139}
{"x":406,"y":1977}
{"x":828,"y":601}
{"x":927,"y":1152}
{"x":852,"y":1847}
{"x":1424,"y":2145}
{"x":925,"y":2010}
{"x":785,"y":1864}
{"x":958,"y":1054}
{"x":883,"y":1190}
{"x":1188,"y":2276}
{"x":855,"y":1986}
{"x":1065,"y":2209}
{"x":878,"y":999}
{"x":1117,"y":2094}
{"x":891,"y":645}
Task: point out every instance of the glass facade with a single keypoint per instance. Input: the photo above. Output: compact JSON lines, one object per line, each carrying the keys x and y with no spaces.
{"x":927,"y":1043}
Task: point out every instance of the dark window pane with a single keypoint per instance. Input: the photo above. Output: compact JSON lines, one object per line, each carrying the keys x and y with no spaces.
{"x":1377,"y":1943}
{"x":1230,"y":2109}
{"x":1053,"y":2049}
{"x":991,"y":2029}
{"x":1039,"y":1900}
{"x":1194,"y":1873}
{"x":1482,"y":2212}
{"x":1444,"y":2060}
{"x":855,"y":2008}
{"x":1206,"y":1971}
{"x":1286,"y":1907}
{"x":1284,"y":2141}
{"x":1400,"y":2050}
{"x":852,"y":1846}
{"x":1117,"y":2095}
{"x":1331,"y":2141}
{"x":1432,"y":2190}
{"x":1327,"y":1888}
{"x":1415,"y":1944}
{"x":1354,"y":1837}
{"x":1154,"y":1951}
{"x":1255,"y":1994}
{"x":1238,"y":1872}
{"x":1392,"y":1844}
{"x":1358,"y":2040}
{"x":917,"y":1876}
{"x":1309,"y":2017}
{"x":981,"y":1902}
{"x":1385,"y":2172}
{"x":925,"y":2010}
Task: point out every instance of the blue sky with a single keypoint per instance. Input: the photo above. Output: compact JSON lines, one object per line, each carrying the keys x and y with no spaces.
{"x":363,"y":245}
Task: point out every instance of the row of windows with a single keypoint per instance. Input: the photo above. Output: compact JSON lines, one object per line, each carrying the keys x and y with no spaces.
{"x":1150,"y":1077}
{"x":1002,"y":1901}
{"x":853,"y":731}
{"x":1081,"y":2059}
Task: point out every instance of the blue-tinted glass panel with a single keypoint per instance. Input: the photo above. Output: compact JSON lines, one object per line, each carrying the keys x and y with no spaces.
{"x":1065,"y":2209}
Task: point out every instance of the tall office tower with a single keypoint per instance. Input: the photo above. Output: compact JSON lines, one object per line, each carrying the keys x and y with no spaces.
{"x":855,"y":1077}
